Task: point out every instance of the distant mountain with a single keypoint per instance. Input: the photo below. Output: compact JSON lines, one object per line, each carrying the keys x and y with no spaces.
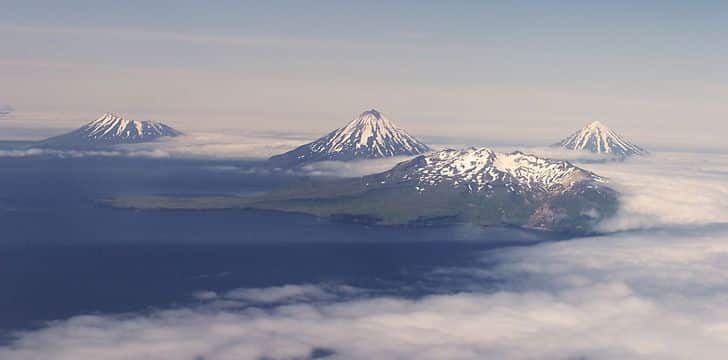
{"x":111,"y":129}
{"x":598,"y":138}
{"x":475,"y":185}
{"x":369,"y":136}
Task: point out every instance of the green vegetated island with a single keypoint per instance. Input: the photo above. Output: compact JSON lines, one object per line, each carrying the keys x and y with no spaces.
{"x":474,"y":185}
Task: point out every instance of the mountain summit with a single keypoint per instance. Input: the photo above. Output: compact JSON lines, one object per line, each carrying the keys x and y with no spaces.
{"x":111,"y":129}
{"x":484,"y":170}
{"x":371,"y":135}
{"x":598,"y":138}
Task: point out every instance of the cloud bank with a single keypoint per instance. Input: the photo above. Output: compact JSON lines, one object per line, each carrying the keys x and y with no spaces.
{"x":209,"y":146}
{"x":219,"y":146}
{"x":668,"y":189}
{"x":352,"y":168}
{"x":653,"y":295}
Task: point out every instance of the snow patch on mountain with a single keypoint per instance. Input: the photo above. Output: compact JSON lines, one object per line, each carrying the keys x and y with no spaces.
{"x":480,"y":169}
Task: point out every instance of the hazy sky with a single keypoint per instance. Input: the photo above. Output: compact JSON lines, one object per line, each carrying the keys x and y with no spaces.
{"x":523,"y":72}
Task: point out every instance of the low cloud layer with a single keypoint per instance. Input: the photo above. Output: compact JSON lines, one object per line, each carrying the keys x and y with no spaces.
{"x":220,"y":146}
{"x":286,"y":294}
{"x":211,"y":146}
{"x":352,"y":168}
{"x":652,"y":295}
{"x":67,"y":154}
{"x":192,"y":146}
{"x":667,"y":190}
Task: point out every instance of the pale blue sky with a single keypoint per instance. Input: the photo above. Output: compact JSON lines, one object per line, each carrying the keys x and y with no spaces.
{"x":527,"y":71}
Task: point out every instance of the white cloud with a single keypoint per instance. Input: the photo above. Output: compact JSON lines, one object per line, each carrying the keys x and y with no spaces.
{"x":214,"y":146}
{"x":290,"y":293}
{"x":352,"y":168}
{"x":191,"y":146}
{"x":38,"y":152}
{"x":219,"y":146}
{"x":668,"y":189}
{"x":650,"y":295}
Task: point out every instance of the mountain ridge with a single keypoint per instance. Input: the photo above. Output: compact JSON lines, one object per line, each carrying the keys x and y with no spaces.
{"x":477,"y":168}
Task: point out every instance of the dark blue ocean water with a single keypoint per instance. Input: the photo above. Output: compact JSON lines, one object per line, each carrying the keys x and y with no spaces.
{"x":63,"y":254}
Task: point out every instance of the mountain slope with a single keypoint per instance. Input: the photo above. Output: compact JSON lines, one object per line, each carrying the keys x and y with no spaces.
{"x":461,"y":186}
{"x":111,"y":129}
{"x":598,"y":138}
{"x":369,"y":136}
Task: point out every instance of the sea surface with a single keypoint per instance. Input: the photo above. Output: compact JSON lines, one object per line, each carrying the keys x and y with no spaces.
{"x":63,"y":253}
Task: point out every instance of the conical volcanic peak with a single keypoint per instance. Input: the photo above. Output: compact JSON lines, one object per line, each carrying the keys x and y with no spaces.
{"x":111,"y":129}
{"x":598,"y":138}
{"x":371,"y":114}
{"x":370,"y":135}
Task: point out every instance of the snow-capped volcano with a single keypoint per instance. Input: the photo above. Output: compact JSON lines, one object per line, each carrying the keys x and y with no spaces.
{"x":111,"y":129}
{"x":474,"y":185}
{"x":598,"y":138}
{"x":482,"y":169}
{"x":371,"y":135}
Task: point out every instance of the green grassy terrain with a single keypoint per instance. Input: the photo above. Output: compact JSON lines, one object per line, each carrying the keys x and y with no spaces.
{"x":358,"y":200}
